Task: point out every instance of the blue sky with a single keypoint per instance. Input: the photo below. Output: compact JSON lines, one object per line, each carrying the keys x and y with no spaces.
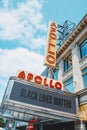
{"x":23,"y":32}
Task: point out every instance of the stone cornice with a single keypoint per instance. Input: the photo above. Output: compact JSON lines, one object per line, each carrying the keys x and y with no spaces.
{"x":78,"y":29}
{"x":82,"y":92}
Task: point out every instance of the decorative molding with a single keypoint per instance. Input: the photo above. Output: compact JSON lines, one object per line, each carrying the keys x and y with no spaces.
{"x":79,"y":28}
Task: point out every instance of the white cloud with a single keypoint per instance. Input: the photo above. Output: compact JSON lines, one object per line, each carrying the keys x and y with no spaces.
{"x":5,"y":3}
{"x":22,"y":22}
{"x":13,"y":60}
{"x":9,"y":25}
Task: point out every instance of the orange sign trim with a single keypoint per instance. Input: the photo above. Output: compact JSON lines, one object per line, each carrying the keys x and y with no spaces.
{"x":50,"y":55}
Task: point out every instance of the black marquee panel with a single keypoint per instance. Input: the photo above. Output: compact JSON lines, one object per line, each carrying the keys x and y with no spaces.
{"x":29,"y":94}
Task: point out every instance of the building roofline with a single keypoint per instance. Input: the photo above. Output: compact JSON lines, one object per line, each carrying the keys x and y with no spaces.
{"x":81,"y":25}
{"x":81,"y":92}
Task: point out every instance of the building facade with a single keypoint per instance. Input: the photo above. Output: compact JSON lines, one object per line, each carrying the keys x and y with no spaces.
{"x":29,"y":97}
{"x":71,"y":70}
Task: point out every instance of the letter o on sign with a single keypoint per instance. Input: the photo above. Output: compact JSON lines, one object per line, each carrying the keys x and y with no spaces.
{"x":50,"y":59}
{"x":58,"y":85}
{"x":38,"y":80}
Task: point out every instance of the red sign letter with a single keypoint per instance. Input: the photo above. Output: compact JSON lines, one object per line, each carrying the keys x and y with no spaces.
{"x":22,"y":75}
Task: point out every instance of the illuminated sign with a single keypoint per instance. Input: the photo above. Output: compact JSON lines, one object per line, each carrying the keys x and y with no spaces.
{"x":50,"y":56}
{"x":40,"y":80}
{"x":31,"y":95}
{"x":83,"y":112}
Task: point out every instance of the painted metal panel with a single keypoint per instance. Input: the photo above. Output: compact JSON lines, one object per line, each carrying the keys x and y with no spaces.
{"x":29,"y":94}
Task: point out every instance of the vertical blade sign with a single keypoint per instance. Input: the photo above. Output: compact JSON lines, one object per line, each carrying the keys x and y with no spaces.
{"x":50,"y":55}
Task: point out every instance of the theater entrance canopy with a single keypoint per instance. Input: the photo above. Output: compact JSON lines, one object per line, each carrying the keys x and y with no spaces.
{"x":24,"y":101}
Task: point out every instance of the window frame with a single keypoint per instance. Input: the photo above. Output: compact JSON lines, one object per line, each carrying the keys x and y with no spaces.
{"x":81,"y":46}
{"x":83,"y":74}
{"x":66,"y":63}
{"x":68,"y":83}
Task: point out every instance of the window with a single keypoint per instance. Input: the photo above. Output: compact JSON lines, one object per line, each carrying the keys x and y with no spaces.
{"x":83,"y":48}
{"x":67,"y":63}
{"x":45,"y":72}
{"x":68,"y":85}
{"x":84,"y":74}
{"x":56,"y":74}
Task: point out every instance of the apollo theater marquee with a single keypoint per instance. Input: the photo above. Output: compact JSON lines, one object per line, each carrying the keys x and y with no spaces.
{"x":29,"y":96}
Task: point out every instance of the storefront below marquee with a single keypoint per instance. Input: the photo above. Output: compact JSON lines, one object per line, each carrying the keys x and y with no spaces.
{"x":60,"y":126}
{"x":56,"y":126}
{"x":86,"y":125}
{"x":53,"y":126}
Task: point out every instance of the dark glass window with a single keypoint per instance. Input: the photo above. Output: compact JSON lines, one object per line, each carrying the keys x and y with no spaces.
{"x":56,"y":74}
{"x":68,"y":85}
{"x":83,"y":48}
{"x":45,"y":72}
{"x":84,"y":73}
{"x":67,"y":63}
